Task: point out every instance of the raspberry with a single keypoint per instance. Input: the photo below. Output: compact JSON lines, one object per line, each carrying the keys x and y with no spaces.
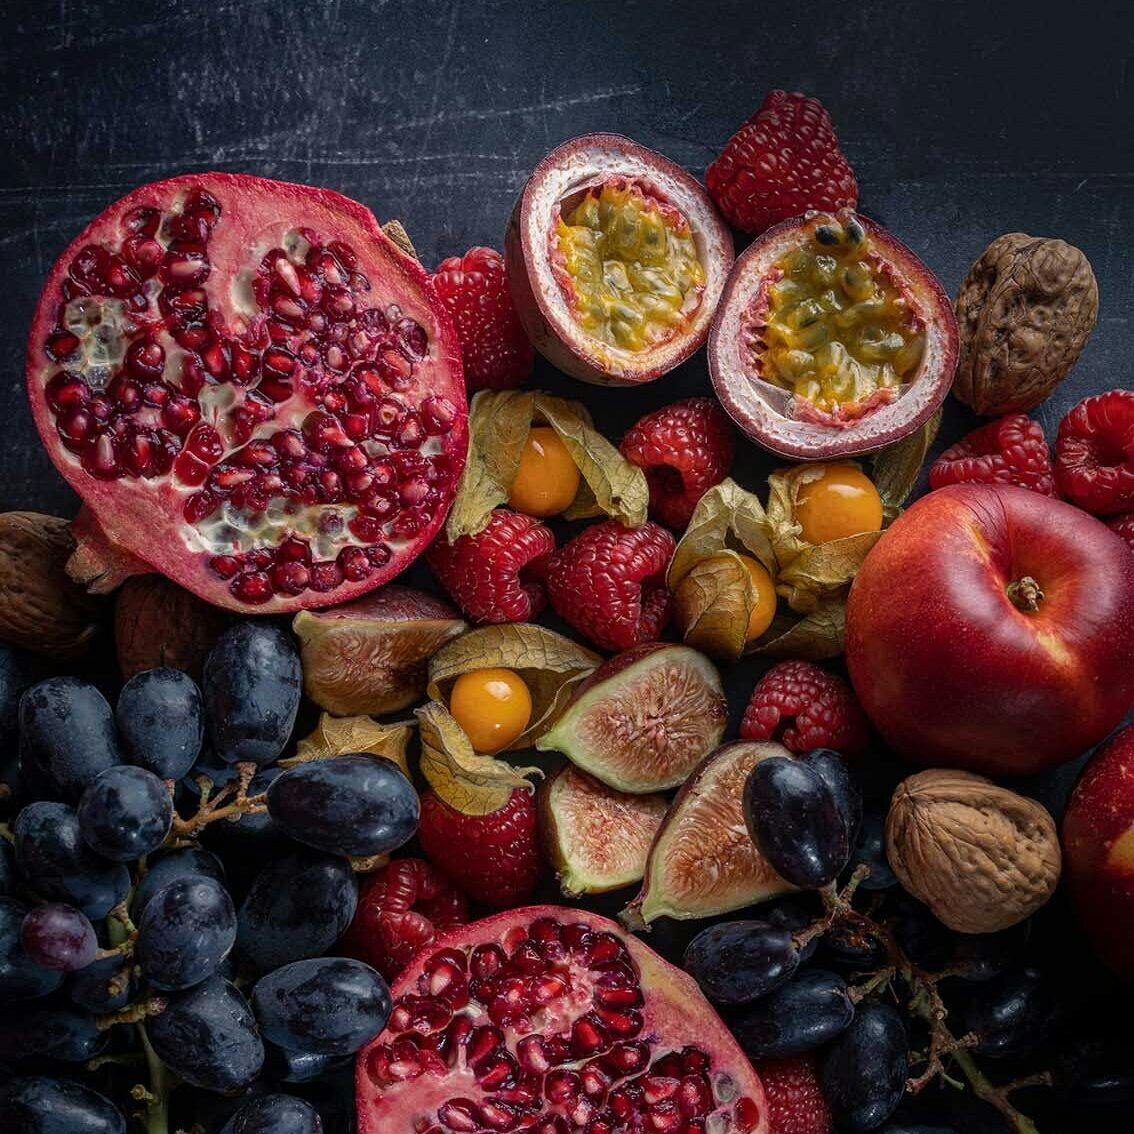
{"x":401,"y":910}
{"x":494,"y":349}
{"x":685,"y":449}
{"x":1124,"y":526}
{"x":1094,"y":453}
{"x":494,"y":858}
{"x":794,"y":1099}
{"x":805,"y":707}
{"x":609,"y":583}
{"x":1011,"y":450}
{"x":487,"y":574}
{"x":783,"y":161}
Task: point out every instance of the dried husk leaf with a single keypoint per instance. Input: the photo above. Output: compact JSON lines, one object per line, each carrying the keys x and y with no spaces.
{"x":814,"y":637}
{"x":464,"y":779}
{"x":896,"y":468}
{"x":335,"y":736}
{"x":550,"y":665}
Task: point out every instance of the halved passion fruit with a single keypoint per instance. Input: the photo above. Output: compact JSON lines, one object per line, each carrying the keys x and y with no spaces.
{"x":616,"y":259}
{"x":832,"y":338}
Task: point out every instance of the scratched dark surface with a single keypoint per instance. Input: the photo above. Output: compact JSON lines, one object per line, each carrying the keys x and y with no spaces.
{"x":962,"y":121}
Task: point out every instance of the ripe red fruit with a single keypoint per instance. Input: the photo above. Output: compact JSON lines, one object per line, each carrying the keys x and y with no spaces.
{"x":1010,"y":450}
{"x":1094,"y":453}
{"x":783,"y":161}
{"x":494,"y":347}
{"x":493,"y":576}
{"x":402,"y":908}
{"x":805,"y":707}
{"x":609,"y":583}
{"x":685,"y":448}
{"x":1124,"y":526}
{"x":494,"y":858}
{"x":795,"y":1101}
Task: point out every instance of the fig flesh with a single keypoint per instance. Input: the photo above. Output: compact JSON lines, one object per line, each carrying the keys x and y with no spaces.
{"x":831,"y":339}
{"x":644,"y":719}
{"x":369,"y":656}
{"x":703,"y":862}
{"x":596,"y":838}
{"x":616,"y":259}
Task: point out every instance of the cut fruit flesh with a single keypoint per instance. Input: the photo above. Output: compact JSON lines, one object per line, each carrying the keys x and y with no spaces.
{"x":597,"y":839}
{"x":644,"y":719}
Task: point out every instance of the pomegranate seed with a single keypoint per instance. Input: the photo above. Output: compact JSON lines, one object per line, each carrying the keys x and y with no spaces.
{"x":354,"y":564}
{"x":185,"y":264}
{"x":498,"y":1117}
{"x":438,"y":415}
{"x":142,"y":219}
{"x":289,"y":443}
{"x":595,"y":1081}
{"x":627,"y":1058}
{"x":533,"y":1054}
{"x":290,"y":577}
{"x":100,"y":459}
{"x":366,"y":528}
{"x":286,"y":273}
{"x":101,"y":407}
{"x":145,"y":358}
{"x":379,"y":555}
{"x":344,"y":254}
{"x":563,"y":1087}
{"x":205,"y":442}
{"x":225,"y":565}
{"x":279,"y":361}
{"x":325,"y":576}
{"x":747,"y":1115}
{"x":200,"y":505}
{"x":395,"y":369}
{"x":61,"y":345}
{"x":618,"y":997}
{"x":411,"y":434}
{"x":288,"y":310}
{"x":255,"y":587}
{"x":143,"y":255}
{"x":696,"y":1097}
{"x":460,"y":1116}
{"x":137,"y":454}
{"x":482,"y":1041}
{"x":65,"y":390}
{"x":496,"y":1070}
{"x":487,"y":961}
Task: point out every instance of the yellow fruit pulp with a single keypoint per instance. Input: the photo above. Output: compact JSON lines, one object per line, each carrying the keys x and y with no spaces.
{"x":493,"y":706}
{"x":547,"y":479}
{"x":765,"y":609}
{"x":842,"y":501}
{"x":629,"y":265}
{"x":837,"y":329}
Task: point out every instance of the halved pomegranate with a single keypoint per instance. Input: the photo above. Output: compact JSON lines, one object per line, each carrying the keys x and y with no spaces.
{"x":832,"y":338}
{"x":553,"y":1021}
{"x":253,"y":390}
{"x":616,"y":259}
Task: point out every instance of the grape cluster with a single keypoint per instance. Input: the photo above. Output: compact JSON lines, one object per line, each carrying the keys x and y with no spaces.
{"x":170,"y":894}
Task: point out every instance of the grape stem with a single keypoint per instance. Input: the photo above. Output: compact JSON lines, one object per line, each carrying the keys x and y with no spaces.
{"x":156,"y":1097}
{"x":231,"y":802}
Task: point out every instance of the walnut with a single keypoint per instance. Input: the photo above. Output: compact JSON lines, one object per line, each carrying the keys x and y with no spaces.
{"x":1024,"y":313}
{"x":980,"y":856}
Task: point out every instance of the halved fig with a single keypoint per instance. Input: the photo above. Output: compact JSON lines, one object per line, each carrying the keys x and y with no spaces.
{"x":616,"y":259}
{"x":597,"y":839}
{"x":703,"y":861}
{"x":644,"y":719}
{"x":370,"y":656}
{"x":832,"y":338}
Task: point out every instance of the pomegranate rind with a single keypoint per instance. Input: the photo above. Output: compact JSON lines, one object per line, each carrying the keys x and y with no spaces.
{"x":136,"y":522}
{"x":684,"y":723}
{"x":703,"y":862}
{"x":540,"y":303}
{"x":676,"y":1014}
{"x":745,"y":399}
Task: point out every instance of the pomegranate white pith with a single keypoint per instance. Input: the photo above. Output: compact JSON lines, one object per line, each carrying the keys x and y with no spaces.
{"x":553,"y":1021}
{"x":252,"y":388}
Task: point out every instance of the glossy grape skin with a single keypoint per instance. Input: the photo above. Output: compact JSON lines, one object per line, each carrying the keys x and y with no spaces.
{"x":161,"y":720}
{"x":125,"y":814}
{"x":68,"y":728}
{"x":285,"y":1066}
{"x":737,"y":962}
{"x":213,"y":768}
{"x":327,"y":1005}
{"x":52,"y":1029}
{"x":20,"y":977}
{"x":1093,"y":1062}
{"x":187,"y":930}
{"x":1010,"y":1015}
{"x":920,"y":935}
{"x":60,"y":867}
{"x":833,"y":771}
{"x":89,"y":988}
{"x":793,"y":818}
{"x":185,"y":862}
{"x":870,"y":849}
{"x":981,"y":956}
{"x":795,"y":913}
{"x":800,"y":1016}
{"x":59,"y":937}
{"x":39,"y":1105}
{"x":298,"y":907}
{"x":251,"y":686}
{"x":865,"y":1071}
{"x":254,"y":834}
{"x":845,"y":945}
{"x":274,"y":1114}
{"x":348,"y":805}
{"x":208,"y":1036}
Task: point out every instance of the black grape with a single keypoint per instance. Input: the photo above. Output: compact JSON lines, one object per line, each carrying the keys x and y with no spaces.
{"x":795,"y":913}
{"x":252,"y":683}
{"x":329,"y":1005}
{"x":60,"y":867}
{"x":20,"y":977}
{"x":104,"y":986}
{"x":737,"y":962}
{"x":8,"y":879}
{"x":1093,"y":1062}
{"x":125,"y":814}
{"x":208,"y":1036}
{"x":981,"y":956}
{"x":797,"y":1017}
{"x":1010,"y":1015}
{"x":348,"y":805}
{"x":68,"y":728}
{"x":213,"y":768}
{"x":298,"y":907}
{"x":39,"y":1105}
{"x":299,"y":1066}
{"x":253,"y":835}
{"x":51,"y":1029}
{"x":921,"y":936}
{"x":161,"y":719}
{"x":850,"y":946}
{"x":185,"y":862}
{"x":274,"y":1114}
{"x":187,"y":930}
{"x":832,"y":770}
{"x":870,"y":850}
{"x":59,"y":937}
{"x":864,"y":1074}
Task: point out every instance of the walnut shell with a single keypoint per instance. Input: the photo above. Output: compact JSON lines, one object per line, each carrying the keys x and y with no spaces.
{"x":1024,"y":313}
{"x":980,"y":856}
{"x":40,"y":608}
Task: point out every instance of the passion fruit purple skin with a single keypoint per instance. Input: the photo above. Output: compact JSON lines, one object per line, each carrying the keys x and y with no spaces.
{"x":763,"y":410}
{"x":544,"y":310}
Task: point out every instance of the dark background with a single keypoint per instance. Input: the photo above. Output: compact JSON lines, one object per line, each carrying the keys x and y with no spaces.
{"x":962,"y":121}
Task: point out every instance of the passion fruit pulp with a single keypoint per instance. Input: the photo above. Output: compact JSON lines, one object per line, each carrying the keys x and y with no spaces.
{"x":616,"y":259}
{"x":831,"y":339}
